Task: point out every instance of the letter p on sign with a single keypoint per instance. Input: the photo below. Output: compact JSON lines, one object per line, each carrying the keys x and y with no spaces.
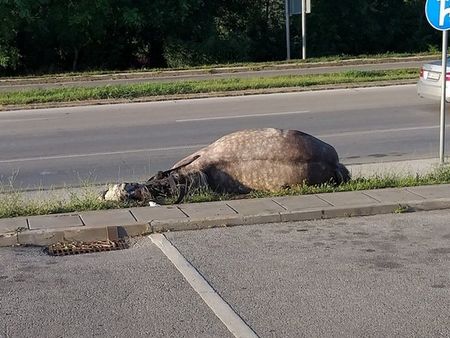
{"x":438,"y":13}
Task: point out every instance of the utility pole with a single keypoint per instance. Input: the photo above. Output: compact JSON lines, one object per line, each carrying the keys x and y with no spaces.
{"x":288,"y":34}
{"x":303,"y":29}
{"x":294,"y":7}
{"x":443,"y":97}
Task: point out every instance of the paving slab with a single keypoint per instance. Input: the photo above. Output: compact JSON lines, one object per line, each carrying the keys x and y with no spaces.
{"x":432,"y":191}
{"x":300,"y":203}
{"x":12,"y":224}
{"x":54,"y":221}
{"x":393,"y":195}
{"x":348,"y":199}
{"x":261,"y":206}
{"x":115,"y":217}
{"x":207,"y":209}
{"x":148,"y":214}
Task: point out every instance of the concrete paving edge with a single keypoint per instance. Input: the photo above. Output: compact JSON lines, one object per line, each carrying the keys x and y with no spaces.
{"x":45,"y":237}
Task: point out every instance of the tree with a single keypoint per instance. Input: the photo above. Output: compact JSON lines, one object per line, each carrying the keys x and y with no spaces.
{"x":59,"y":35}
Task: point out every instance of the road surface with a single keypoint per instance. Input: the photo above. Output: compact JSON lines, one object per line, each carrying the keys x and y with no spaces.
{"x":127,"y":142}
{"x":380,"y":276}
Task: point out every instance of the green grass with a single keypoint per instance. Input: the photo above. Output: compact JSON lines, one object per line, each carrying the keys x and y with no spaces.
{"x":134,"y":91}
{"x":15,"y":204}
{"x":438,"y":176}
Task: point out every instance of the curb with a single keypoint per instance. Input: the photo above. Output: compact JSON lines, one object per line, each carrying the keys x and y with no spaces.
{"x":45,"y":237}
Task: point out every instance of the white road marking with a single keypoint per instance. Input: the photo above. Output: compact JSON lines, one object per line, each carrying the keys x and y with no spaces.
{"x":221,"y":309}
{"x":242,"y":116}
{"x":133,"y":151}
{"x":25,"y":120}
{"x":198,"y":146}
{"x":365,"y":132}
{"x":47,"y":172}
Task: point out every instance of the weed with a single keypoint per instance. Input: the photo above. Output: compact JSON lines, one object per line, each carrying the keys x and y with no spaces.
{"x":401,"y":209}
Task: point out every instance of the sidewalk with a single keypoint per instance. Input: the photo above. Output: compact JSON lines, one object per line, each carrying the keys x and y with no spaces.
{"x":120,"y":223}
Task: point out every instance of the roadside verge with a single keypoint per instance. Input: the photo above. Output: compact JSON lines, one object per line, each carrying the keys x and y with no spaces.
{"x":175,"y":97}
{"x":64,"y":97}
{"x":121,"y":223}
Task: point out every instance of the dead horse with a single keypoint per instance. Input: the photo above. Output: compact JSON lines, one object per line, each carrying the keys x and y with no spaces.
{"x":264,"y":159}
{"x":253,"y":159}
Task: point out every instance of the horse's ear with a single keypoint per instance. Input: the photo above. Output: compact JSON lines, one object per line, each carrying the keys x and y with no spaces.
{"x":163,"y":174}
{"x":185,"y":163}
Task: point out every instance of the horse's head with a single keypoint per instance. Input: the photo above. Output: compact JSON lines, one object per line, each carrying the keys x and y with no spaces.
{"x":126,"y":192}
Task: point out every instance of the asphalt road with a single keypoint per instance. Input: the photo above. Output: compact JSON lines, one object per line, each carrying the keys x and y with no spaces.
{"x":111,"y":80}
{"x":128,"y":142}
{"x":380,"y":276}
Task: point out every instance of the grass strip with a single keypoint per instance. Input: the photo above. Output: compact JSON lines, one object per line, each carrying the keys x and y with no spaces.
{"x":15,"y":204}
{"x":133,"y":91}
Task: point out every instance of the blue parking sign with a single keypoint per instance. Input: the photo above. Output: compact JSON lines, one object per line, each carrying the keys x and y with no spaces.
{"x":438,"y":14}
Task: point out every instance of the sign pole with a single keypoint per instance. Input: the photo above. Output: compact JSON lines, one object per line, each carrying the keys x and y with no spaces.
{"x":288,"y":34}
{"x":443,"y":96}
{"x":303,"y":29}
{"x":438,"y":14}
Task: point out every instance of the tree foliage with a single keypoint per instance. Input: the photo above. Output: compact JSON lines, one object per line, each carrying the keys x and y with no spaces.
{"x":39,"y":36}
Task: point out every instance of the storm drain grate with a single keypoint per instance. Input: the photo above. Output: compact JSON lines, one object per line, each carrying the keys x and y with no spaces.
{"x":77,"y":248}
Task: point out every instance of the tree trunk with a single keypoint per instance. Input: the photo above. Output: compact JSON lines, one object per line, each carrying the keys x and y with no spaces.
{"x":157,"y":59}
{"x":76,"y":54}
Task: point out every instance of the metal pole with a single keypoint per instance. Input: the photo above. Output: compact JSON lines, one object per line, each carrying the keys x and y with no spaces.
{"x":303,"y":29}
{"x":288,"y":34}
{"x":443,"y":96}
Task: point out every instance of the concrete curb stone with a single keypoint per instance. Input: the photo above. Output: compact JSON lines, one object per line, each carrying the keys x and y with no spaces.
{"x":8,"y":239}
{"x":196,"y":223}
{"x":438,"y":204}
{"x":42,"y":237}
{"x":45,"y":237}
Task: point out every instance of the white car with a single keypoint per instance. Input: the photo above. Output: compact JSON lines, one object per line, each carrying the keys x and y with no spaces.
{"x":429,"y":85}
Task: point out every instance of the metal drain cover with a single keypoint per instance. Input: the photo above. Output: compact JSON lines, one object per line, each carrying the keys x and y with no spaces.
{"x":77,"y":248}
